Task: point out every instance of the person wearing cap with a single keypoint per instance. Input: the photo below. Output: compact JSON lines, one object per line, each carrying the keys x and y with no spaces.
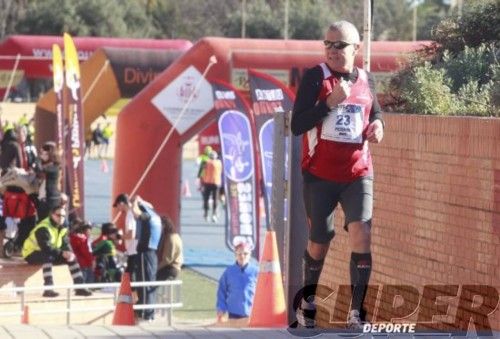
{"x":122,"y":203}
{"x":80,"y":243}
{"x":237,"y":286}
{"x":47,"y":245}
{"x":148,"y":234}
{"x":337,"y":113}
{"x":212,"y":175}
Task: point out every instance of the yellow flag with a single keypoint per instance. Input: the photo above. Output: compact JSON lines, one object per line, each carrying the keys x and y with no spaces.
{"x":75,"y":144}
{"x":58,"y":78}
{"x":72,"y":66}
{"x":57,"y":68}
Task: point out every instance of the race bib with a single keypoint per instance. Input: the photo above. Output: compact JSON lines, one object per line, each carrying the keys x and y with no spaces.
{"x":344,"y":124}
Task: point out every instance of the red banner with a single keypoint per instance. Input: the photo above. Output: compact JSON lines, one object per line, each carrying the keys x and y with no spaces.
{"x":269,"y":96}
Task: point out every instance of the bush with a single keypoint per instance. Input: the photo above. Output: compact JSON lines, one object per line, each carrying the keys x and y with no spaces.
{"x":460,"y":74}
{"x":427,"y":91}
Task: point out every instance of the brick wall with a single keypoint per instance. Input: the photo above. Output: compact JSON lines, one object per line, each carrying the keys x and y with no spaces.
{"x":436,"y":222}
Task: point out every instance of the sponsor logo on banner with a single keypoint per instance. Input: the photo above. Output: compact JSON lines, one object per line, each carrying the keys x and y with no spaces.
{"x":172,"y":100}
{"x":239,"y":77}
{"x":74,"y":139}
{"x":238,"y":164}
{"x":266,"y":135}
{"x":136,"y":75}
{"x":269,"y":96}
{"x":6,"y":75}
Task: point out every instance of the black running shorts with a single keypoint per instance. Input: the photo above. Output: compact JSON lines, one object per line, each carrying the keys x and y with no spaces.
{"x":322,"y":196}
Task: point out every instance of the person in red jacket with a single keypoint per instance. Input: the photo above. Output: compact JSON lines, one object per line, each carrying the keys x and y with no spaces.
{"x":337,"y":113}
{"x":80,"y":242}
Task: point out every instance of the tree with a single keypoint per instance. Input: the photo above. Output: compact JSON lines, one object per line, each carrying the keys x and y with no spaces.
{"x":117,"y":18}
{"x":308,"y":19}
{"x":392,"y":20}
{"x":10,"y":12}
{"x":191,"y":19}
{"x":263,"y":21}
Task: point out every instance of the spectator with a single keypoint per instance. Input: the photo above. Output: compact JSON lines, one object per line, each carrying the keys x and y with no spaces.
{"x":49,"y":195}
{"x":80,"y":243}
{"x":48,"y":245}
{"x":148,"y":239}
{"x":237,"y":286}
{"x":123,"y":204}
{"x":104,"y":231}
{"x":9,"y":155}
{"x":17,"y":203}
{"x":105,"y":254}
{"x":170,"y":252}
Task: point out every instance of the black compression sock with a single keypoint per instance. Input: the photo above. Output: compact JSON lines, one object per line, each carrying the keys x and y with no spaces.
{"x":361,"y":268}
{"x":312,"y":270}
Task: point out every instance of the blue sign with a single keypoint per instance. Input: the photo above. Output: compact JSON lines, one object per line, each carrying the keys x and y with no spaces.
{"x":236,"y":145}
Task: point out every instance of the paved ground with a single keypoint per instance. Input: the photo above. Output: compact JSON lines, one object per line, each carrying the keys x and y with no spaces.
{"x":160,"y":331}
{"x":144,"y":331}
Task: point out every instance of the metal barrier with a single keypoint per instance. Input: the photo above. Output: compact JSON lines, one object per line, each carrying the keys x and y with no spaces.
{"x":166,"y":296}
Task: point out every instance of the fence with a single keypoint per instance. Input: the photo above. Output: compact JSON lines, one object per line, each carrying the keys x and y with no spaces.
{"x":167,"y":295}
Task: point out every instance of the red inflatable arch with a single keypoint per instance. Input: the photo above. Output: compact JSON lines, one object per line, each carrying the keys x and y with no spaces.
{"x":148,"y":118}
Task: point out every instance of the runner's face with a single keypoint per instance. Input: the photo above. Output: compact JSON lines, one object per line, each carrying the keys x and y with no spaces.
{"x":340,"y":60}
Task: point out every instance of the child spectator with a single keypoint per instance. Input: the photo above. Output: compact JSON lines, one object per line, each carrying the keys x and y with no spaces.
{"x":104,"y":230}
{"x":105,"y":253}
{"x":80,"y":242}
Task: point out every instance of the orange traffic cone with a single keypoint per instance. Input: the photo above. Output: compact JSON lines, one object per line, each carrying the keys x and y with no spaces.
{"x":104,"y":166}
{"x":124,"y":312}
{"x":269,"y":308}
{"x":25,"y":317}
{"x":186,"y":191}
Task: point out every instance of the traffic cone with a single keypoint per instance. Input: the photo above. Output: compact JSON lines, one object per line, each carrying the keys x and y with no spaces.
{"x":186,"y":191}
{"x":25,"y":317}
{"x":124,"y":312}
{"x":104,"y":166}
{"x":269,"y":308}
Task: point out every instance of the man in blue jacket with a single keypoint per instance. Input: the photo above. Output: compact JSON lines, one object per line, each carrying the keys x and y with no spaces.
{"x":237,"y":286}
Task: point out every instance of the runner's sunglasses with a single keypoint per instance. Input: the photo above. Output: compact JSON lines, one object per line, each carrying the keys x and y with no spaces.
{"x":335,"y":44}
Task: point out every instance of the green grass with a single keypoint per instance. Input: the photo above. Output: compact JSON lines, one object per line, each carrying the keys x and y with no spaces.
{"x":198,"y":296}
